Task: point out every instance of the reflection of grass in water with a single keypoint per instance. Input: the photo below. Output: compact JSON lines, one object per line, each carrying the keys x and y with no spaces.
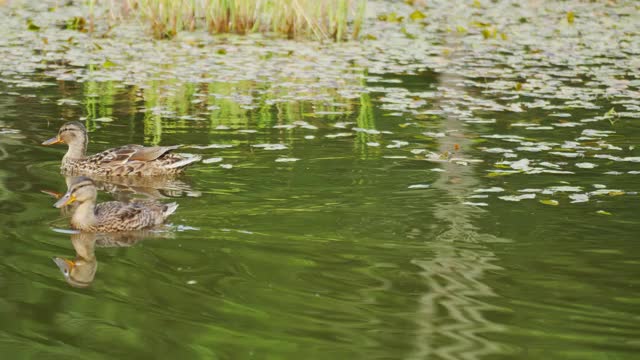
{"x":98,"y":100}
{"x":152,"y":120}
{"x":366,"y":120}
{"x":318,"y":19}
{"x":225,"y":110}
{"x":172,"y":104}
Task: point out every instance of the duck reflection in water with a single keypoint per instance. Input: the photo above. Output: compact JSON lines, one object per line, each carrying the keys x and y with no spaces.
{"x":81,"y":271}
{"x":132,"y":187}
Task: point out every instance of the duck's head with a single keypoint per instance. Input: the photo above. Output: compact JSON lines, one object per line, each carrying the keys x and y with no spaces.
{"x":72,"y":133}
{"x":81,"y":189}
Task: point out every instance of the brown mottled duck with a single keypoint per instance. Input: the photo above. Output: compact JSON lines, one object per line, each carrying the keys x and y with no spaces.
{"x":123,"y":160}
{"x":111,"y":216}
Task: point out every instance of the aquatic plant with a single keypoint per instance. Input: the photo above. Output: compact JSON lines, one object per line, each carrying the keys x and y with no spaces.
{"x":321,"y":20}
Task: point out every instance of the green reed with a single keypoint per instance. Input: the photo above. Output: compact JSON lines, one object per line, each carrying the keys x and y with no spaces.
{"x":336,"y":20}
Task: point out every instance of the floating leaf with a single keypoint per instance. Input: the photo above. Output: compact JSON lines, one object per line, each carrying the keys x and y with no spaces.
{"x":586,"y":165}
{"x":76,"y":23}
{"x":475,"y":203}
{"x":31,"y":26}
{"x":550,"y":202}
{"x":407,"y":33}
{"x":417,"y":15}
{"x":285,"y":159}
{"x":579,"y":198}
{"x":611,"y":113}
{"x":570,"y":17}
{"x":517,"y":197}
{"x":271,"y":146}
{"x":212,"y":160}
{"x":490,"y":190}
{"x":391,"y":17}
{"x":419,"y":186}
{"x":108,"y":64}
{"x":602,"y":212}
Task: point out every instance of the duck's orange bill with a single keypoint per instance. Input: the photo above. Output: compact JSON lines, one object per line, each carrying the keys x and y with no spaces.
{"x":65,"y":200}
{"x":53,"y":140}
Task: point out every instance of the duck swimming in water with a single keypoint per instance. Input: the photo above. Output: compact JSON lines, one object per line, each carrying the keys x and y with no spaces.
{"x":111,"y":216}
{"x":124,"y":160}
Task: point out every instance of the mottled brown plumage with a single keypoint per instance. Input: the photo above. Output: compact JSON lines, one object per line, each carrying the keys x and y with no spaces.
{"x":123,"y":160}
{"x":111,"y":216}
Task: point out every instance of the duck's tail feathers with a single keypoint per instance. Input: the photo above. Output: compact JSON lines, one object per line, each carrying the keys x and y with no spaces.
{"x":169,"y":209}
{"x":187,"y":159}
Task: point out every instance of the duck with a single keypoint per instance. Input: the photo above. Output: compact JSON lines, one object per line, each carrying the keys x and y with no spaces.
{"x":124,"y":160}
{"x":111,"y":216}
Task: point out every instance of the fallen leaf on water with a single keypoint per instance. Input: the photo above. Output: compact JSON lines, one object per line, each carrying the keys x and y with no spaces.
{"x":517,"y":197}
{"x":579,"y":198}
{"x":490,"y":190}
{"x":284,"y":159}
{"x":212,"y":160}
{"x":108,"y":64}
{"x":31,"y":26}
{"x":419,"y":186}
{"x":475,"y":203}
{"x":417,"y":15}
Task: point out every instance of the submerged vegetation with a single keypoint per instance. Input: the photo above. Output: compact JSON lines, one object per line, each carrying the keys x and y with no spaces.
{"x":322,"y":20}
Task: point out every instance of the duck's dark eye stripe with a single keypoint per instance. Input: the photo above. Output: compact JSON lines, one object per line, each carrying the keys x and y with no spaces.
{"x":81,"y":185}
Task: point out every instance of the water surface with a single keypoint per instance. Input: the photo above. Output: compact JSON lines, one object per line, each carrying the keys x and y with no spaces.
{"x":431,"y":210}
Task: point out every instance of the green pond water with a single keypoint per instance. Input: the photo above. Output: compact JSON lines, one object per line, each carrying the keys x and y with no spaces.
{"x":334,"y":255}
{"x":465,"y":187}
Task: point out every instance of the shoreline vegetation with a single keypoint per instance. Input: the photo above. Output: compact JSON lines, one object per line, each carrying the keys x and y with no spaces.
{"x":335,"y":20}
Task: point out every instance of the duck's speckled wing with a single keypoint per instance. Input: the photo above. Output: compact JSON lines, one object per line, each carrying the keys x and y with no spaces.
{"x":137,"y":160}
{"x":136,"y":215}
{"x":130,"y":153}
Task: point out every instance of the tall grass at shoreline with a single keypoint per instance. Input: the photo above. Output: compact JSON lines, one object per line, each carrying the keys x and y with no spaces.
{"x":336,"y":20}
